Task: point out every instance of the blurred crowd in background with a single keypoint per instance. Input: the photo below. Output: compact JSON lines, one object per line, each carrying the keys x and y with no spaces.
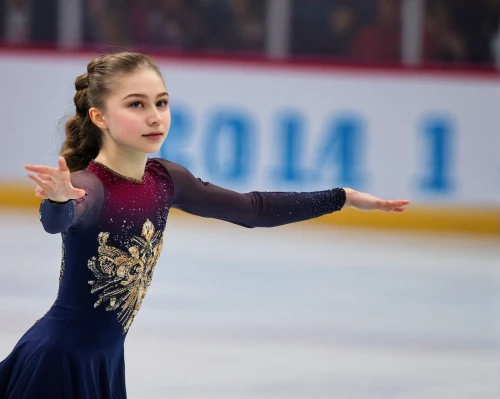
{"x":451,"y":31}
{"x":371,"y":30}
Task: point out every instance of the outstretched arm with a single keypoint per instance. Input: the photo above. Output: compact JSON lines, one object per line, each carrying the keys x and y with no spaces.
{"x":255,"y":209}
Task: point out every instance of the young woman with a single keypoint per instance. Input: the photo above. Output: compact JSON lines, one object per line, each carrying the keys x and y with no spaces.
{"x":110,"y":203}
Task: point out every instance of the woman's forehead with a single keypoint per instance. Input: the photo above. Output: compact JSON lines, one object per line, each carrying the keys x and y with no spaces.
{"x":145,"y":81}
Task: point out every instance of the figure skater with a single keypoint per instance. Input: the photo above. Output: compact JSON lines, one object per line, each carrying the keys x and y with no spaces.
{"x":110,"y":203}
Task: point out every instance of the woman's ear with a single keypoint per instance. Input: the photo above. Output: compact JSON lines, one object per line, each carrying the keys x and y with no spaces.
{"x":98,"y":118}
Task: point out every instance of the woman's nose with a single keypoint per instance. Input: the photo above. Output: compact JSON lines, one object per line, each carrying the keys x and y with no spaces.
{"x":155,"y":117}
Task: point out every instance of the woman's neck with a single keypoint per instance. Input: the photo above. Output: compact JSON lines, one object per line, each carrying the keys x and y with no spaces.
{"x":126,"y":164}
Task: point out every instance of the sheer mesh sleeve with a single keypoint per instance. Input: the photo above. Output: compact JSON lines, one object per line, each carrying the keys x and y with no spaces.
{"x":74,"y":214}
{"x":254,"y":209}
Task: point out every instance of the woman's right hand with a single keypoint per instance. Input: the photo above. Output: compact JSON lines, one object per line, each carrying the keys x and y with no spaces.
{"x":54,"y":183}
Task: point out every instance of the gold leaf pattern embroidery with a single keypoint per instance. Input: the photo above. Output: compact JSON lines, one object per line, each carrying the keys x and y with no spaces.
{"x":123,"y":279}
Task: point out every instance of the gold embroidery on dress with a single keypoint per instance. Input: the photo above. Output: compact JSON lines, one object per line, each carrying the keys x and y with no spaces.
{"x":123,"y":279}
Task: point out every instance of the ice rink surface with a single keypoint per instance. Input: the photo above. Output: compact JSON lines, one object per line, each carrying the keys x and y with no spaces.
{"x":292,"y":312}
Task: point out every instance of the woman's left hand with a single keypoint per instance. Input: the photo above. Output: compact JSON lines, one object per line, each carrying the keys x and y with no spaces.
{"x":368,"y":202}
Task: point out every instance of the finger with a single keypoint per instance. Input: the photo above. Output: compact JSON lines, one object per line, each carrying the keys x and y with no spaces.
{"x":38,"y":181}
{"x":41,"y":169}
{"x":62,"y":164}
{"x":44,"y":176}
{"x":40,"y":191}
{"x":397,"y":209}
{"x":42,"y":195}
{"x":79,"y":193}
{"x":394,"y":204}
{"x":398,"y":203}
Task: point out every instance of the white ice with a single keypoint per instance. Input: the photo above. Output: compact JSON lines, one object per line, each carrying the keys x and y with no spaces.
{"x":293,"y":312}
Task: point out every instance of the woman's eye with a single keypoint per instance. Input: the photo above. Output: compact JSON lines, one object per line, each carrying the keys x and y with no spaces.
{"x":137,"y":104}
{"x":163,"y":103}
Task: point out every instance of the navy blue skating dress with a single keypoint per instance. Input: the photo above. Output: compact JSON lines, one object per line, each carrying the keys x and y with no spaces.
{"x":112,"y":239}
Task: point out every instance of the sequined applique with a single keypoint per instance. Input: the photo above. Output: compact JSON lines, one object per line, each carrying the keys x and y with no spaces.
{"x":63,"y":258}
{"x":123,"y":279}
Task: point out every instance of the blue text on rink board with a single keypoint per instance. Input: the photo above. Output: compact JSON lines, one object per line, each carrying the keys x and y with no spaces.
{"x":230,"y":146}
